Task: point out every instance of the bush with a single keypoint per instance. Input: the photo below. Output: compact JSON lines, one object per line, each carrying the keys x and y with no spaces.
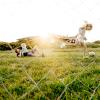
{"x":14,"y":45}
{"x":97,"y":42}
{"x":5,"y":46}
{"x":93,"y":45}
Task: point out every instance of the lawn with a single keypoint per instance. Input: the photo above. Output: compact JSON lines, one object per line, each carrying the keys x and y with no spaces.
{"x":63,"y":74}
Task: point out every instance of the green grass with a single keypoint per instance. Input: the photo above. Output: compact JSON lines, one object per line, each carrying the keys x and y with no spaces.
{"x":60,"y":75}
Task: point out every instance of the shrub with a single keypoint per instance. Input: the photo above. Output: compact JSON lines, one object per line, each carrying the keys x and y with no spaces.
{"x":93,"y":45}
{"x":5,"y":46}
{"x":14,"y":44}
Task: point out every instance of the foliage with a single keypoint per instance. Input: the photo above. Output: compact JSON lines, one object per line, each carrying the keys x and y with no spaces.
{"x":97,"y":42}
{"x":5,"y":46}
{"x":14,"y":44}
{"x":93,"y":45}
{"x":42,"y":43}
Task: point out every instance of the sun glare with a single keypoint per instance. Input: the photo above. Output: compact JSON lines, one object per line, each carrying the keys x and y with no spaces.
{"x":44,"y":36}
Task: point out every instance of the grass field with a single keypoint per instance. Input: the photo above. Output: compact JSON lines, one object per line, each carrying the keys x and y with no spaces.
{"x":60,"y":75}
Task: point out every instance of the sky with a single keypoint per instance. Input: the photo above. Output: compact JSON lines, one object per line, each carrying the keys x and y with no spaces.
{"x":22,"y":18}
